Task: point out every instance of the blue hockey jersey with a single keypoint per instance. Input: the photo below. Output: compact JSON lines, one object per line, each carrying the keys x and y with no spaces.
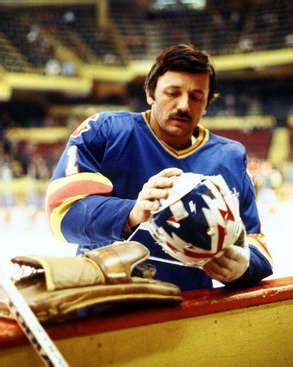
{"x":103,"y":168}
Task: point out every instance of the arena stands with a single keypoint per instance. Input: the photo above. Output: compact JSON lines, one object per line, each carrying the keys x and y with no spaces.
{"x":251,"y":139}
{"x":27,"y":38}
{"x":136,"y":30}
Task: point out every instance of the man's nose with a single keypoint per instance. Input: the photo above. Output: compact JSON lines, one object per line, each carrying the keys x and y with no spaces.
{"x":183,"y":103}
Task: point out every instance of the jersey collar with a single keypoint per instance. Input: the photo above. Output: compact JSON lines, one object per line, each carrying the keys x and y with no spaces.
{"x":200,"y":138}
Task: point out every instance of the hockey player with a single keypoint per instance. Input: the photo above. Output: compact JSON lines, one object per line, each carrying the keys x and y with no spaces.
{"x":118,"y":165}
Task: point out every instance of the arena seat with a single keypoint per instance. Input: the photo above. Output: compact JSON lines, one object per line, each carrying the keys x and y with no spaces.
{"x":257,"y":142}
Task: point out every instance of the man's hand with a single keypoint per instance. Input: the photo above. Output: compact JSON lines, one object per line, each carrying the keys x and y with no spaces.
{"x":230,"y":265}
{"x":156,"y":188}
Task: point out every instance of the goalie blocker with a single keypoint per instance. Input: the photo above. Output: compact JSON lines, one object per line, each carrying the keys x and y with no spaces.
{"x":59,"y":287}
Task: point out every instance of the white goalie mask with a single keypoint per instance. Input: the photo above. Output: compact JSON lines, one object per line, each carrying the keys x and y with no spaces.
{"x":198,"y":219}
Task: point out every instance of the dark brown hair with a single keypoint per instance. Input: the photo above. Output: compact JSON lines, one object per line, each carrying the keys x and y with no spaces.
{"x":181,"y":57}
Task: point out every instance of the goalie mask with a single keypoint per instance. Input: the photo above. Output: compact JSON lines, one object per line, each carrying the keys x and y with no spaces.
{"x":198,"y":220}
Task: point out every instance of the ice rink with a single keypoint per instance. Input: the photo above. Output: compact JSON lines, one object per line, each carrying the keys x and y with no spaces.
{"x":25,"y":233}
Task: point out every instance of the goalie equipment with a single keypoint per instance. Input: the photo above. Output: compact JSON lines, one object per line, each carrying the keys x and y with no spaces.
{"x":198,"y":219}
{"x":60,"y":286}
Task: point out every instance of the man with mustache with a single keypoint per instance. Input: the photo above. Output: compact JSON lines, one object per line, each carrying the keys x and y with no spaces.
{"x":117,"y":166}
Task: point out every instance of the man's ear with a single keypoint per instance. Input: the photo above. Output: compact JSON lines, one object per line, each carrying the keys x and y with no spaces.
{"x":149,"y":98}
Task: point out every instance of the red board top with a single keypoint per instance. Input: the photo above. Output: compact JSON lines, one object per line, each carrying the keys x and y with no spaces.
{"x":195,"y":303}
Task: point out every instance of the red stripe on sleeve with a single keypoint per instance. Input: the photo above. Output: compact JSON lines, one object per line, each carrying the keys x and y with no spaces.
{"x":69,"y":190}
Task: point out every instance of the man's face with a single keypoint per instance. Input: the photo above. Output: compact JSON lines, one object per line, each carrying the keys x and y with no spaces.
{"x":180,"y":100}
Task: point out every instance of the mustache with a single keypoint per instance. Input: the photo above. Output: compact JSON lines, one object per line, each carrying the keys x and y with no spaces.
{"x":180,"y":116}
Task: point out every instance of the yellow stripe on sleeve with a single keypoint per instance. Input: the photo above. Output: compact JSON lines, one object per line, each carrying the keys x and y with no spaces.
{"x":59,"y":213}
{"x":259,"y":241}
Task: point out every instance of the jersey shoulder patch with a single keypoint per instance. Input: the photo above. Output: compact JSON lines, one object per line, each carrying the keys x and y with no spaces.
{"x":84,"y":126}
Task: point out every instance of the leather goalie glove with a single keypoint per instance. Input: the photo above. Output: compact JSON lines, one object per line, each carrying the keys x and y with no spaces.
{"x":60,"y":286}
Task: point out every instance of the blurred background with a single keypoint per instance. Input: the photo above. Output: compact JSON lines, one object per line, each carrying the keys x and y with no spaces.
{"x":62,"y":61}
